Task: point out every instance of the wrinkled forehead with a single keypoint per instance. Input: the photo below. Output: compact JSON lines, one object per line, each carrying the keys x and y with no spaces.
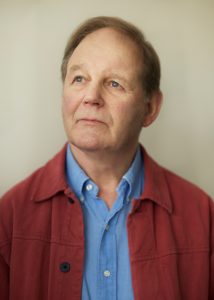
{"x":109,"y":43}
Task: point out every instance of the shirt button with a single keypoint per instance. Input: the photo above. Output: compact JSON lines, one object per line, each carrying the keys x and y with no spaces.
{"x":107,"y":227}
{"x":81,"y":198}
{"x":65,"y":267}
{"x":89,"y":187}
{"x":106,"y":273}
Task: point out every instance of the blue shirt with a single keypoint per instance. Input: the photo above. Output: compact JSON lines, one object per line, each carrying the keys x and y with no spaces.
{"x":107,"y":274}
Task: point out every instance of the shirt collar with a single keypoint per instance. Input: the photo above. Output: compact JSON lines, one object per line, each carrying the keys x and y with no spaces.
{"x":132,"y":179}
{"x":135,"y":175}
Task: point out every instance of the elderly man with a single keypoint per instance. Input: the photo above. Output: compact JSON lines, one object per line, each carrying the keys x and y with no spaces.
{"x":102,"y":220}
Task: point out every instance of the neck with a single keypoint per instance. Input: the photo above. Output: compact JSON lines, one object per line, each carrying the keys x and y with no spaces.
{"x":105,"y":169}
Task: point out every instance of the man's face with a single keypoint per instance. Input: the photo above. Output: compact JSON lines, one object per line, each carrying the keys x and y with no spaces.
{"x":103,"y":103}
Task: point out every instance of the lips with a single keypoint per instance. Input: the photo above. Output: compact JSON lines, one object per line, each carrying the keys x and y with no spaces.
{"x":91,"y":121}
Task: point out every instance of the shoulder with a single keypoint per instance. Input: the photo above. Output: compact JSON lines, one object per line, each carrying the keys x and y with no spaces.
{"x":189,"y":202}
{"x":24,"y":188}
{"x":182,"y":188}
{"x":41,"y":182}
{"x":173,"y":190}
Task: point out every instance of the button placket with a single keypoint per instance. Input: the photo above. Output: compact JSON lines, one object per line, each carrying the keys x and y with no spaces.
{"x":107,"y":227}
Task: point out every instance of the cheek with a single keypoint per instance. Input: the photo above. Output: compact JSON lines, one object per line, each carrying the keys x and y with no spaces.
{"x":128,"y":112}
{"x":130,"y":116}
{"x":69,"y":103}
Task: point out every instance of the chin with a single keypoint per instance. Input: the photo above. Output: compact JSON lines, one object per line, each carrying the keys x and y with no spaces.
{"x":88,"y":145}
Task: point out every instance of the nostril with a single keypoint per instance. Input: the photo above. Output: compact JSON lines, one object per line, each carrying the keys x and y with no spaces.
{"x":92,"y":101}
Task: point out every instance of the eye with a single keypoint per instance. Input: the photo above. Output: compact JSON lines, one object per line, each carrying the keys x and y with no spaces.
{"x":78,"y":79}
{"x":115,"y":84}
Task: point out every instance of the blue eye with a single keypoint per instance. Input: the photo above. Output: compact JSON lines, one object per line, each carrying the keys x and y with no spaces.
{"x":115,"y":84}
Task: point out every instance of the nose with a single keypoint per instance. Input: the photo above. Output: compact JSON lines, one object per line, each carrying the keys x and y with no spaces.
{"x":93,"y":95}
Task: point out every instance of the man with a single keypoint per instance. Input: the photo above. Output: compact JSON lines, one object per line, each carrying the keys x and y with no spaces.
{"x":102,"y":220}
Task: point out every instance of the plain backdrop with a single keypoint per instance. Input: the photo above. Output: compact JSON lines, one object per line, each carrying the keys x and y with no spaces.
{"x":33,"y":36}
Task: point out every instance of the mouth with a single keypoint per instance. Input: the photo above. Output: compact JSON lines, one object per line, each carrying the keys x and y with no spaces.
{"x":90,"y":121}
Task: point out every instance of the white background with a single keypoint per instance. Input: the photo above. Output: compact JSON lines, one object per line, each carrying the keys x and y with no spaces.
{"x":33,"y":36}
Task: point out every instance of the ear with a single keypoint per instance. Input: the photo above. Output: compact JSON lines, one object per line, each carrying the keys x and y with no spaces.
{"x":153,"y":107}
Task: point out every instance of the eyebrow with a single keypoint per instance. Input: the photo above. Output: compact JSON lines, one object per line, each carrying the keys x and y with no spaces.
{"x":76,"y":68}
{"x":82,"y":67}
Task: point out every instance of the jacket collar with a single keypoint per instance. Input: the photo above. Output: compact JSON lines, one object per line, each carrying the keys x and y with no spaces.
{"x":156,"y":187}
{"x":52,"y":180}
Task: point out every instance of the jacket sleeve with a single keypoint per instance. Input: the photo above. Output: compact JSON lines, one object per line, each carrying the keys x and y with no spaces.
{"x":4,"y":279}
{"x":211,"y":289}
{"x":5,"y":245}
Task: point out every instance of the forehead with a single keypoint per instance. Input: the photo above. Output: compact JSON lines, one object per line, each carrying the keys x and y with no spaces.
{"x":108,"y":44}
{"x":111,"y":35}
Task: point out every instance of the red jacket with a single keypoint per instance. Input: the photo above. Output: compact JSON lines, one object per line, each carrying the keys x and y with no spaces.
{"x":170,"y":234}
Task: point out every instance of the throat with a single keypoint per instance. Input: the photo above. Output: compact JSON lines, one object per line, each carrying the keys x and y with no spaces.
{"x":109,"y":197}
